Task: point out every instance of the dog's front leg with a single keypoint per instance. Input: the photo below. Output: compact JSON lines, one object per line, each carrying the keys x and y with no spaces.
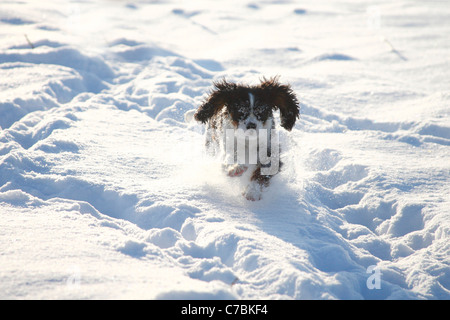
{"x":235,"y":170}
{"x":258,"y":182}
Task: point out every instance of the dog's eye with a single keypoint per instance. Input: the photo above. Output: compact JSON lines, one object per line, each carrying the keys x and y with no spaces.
{"x":242,"y":111}
{"x":261,"y":113}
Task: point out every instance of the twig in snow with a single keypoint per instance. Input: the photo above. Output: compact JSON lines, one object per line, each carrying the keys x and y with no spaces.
{"x":236,"y":280}
{"x":395,"y":50}
{"x":29,"y":42}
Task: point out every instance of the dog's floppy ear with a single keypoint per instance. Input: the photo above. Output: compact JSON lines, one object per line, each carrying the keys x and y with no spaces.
{"x":215,"y":102}
{"x":282,"y":97}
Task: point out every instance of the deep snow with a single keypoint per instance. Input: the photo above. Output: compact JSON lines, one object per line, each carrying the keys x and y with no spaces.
{"x":105,"y":190}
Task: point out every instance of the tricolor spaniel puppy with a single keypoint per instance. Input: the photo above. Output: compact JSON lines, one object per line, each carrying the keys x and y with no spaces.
{"x":241,"y":129}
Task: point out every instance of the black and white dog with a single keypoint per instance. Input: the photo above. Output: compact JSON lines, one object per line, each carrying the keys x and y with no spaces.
{"x":242,"y":115}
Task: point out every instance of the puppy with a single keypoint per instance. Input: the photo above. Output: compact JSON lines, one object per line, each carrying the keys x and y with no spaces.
{"x":242,"y":130}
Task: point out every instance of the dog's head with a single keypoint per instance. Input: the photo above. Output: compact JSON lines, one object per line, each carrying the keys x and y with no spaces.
{"x":250,"y":107}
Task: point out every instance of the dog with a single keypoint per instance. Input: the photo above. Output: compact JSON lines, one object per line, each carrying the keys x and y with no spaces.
{"x":243,"y":115}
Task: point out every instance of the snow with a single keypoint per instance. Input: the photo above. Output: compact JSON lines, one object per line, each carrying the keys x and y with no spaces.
{"x":105,"y":189}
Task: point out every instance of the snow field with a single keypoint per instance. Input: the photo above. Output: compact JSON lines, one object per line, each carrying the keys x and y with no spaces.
{"x":105,"y":191}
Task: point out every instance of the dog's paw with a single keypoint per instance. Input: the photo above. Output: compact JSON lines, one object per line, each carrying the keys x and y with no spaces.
{"x":236,"y":170}
{"x":252,"y":197}
{"x":252,"y":193}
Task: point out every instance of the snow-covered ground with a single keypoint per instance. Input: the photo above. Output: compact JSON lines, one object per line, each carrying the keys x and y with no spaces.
{"x":105,"y":191}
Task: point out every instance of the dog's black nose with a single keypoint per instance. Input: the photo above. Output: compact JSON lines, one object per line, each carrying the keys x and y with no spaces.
{"x":251,"y":125}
